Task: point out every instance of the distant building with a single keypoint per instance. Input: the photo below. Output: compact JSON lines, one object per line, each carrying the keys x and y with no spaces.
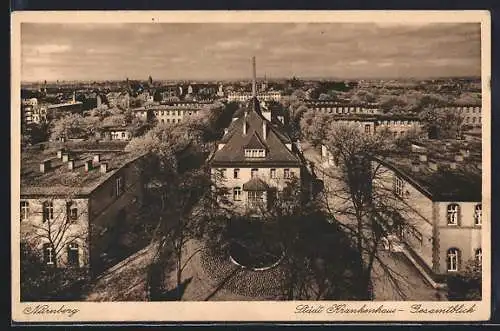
{"x":332,"y":107}
{"x":171,"y":112}
{"x":220,"y":91}
{"x":261,"y":96}
{"x":32,"y":112}
{"x":116,"y":133}
{"x":61,"y":109}
{"x":368,"y":116}
{"x":471,"y":114}
{"x":74,"y":202}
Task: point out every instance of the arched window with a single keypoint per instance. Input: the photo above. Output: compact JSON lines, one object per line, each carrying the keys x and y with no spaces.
{"x":452,"y":214}
{"x":478,"y":256}
{"x":478,"y":213}
{"x":452,"y":259}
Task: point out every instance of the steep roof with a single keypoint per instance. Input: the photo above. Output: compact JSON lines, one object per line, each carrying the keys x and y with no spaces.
{"x":233,"y":152}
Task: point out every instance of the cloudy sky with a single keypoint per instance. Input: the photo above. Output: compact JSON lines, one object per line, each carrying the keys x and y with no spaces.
{"x":223,"y":51}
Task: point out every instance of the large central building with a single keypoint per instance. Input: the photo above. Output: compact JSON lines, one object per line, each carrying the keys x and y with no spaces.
{"x":256,"y":157}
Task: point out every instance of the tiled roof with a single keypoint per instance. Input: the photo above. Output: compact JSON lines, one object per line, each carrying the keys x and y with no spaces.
{"x":445,"y":184}
{"x":255,"y":142}
{"x":235,"y":142}
{"x":59,"y":180}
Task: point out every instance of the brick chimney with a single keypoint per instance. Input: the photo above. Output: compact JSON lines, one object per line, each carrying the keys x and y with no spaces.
{"x":245,"y":127}
{"x":96,"y":159}
{"x":60,"y":153}
{"x":88,"y":165}
{"x":415,"y":166}
{"x":225,"y":131}
{"x":423,"y":157}
{"x":433,"y":165}
{"x":65,"y":158}
{"x":104,"y":167}
{"x":71,"y":165}
{"x":264,"y":130}
{"x":45,"y":166}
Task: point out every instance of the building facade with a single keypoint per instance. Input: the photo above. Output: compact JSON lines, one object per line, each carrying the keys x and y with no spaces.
{"x":172,"y":112}
{"x":73,"y":203}
{"x":471,"y":114}
{"x":247,"y":96}
{"x":437,"y":192}
{"x":255,"y":158}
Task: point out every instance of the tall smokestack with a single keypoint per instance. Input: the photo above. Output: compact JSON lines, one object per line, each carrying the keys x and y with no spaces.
{"x":254,"y":78}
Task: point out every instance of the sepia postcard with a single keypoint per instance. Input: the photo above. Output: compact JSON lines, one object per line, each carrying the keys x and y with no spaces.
{"x":289,"y":166}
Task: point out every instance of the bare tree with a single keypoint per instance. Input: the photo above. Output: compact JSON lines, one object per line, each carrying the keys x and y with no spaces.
{"x":360,"y":200}
{"x":63,"y":223}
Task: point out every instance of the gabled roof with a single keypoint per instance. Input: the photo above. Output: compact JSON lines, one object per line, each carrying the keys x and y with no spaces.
{"x":235,"y":142}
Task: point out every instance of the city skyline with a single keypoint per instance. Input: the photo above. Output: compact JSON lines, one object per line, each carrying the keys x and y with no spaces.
{"x":223,"y":51}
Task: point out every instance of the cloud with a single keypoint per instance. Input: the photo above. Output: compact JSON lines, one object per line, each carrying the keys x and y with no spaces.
{"x":52,"y":48}
{"x":212,"y":50}
{"x":358,"y":62}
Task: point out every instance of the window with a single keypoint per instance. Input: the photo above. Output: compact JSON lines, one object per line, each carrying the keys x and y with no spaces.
{"x":286,"y":173}
{"x":25,"y":209}
{"x":453,"y":258}
{"x":254,"y":173}
{"x":48,"y":254}
{"x":399,"y":186}
{"x":71,"y":212}
{"x":255,"y":198}
{"x":73,"y":258}
{"x":478,"y":213}
{"x":119,"y":186}
{"x":123,"y":134}
{"x":237,"y":194}
{"x":255,"y":153}
{"x":168,"y":120}
{"x":48,"y":211}
{"x":478,"y":256}
{"x":367,"y":128}
{"x":273,"y":173}
{"x":452,"y":214}
{"x":236,"y":173}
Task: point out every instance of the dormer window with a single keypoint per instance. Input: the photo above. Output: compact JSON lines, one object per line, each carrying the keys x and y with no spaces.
{"x":255,"y":152}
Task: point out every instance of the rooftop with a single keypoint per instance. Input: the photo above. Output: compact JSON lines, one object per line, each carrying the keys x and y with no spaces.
{"x":79,"y":103}
{"x":445,"y":171}
{"x":58,"y":180}
{"x":235,"y":141}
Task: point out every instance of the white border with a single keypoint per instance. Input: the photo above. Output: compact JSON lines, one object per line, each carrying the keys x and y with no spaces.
{"x":246,"y":311}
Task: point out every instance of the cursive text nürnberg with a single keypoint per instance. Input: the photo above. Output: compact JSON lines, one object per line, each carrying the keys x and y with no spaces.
{"x":50,"y":310}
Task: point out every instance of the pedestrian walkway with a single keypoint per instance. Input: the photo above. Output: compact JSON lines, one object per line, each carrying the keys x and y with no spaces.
{"x":407,"y":284}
